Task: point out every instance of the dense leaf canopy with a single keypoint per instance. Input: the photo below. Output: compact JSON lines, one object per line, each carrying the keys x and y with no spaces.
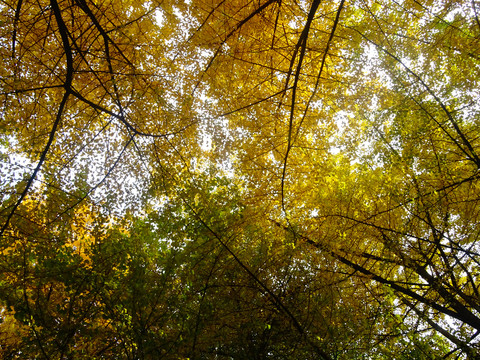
{"x":245,"y":179}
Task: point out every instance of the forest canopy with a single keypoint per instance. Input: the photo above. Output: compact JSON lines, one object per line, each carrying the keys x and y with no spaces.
{"x":242,"y":179}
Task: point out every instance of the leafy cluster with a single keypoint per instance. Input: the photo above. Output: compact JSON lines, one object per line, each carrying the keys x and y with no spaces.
{"x":214,"y":179}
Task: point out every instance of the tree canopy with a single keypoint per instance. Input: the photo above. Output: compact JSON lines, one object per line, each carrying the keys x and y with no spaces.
{"x":244,"y":179}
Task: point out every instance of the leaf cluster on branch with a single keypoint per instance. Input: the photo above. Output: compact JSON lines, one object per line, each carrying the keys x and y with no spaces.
{"x":243,"y":179}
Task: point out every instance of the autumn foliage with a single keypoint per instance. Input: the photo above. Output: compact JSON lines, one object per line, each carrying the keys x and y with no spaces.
{"x":267,"y":179}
